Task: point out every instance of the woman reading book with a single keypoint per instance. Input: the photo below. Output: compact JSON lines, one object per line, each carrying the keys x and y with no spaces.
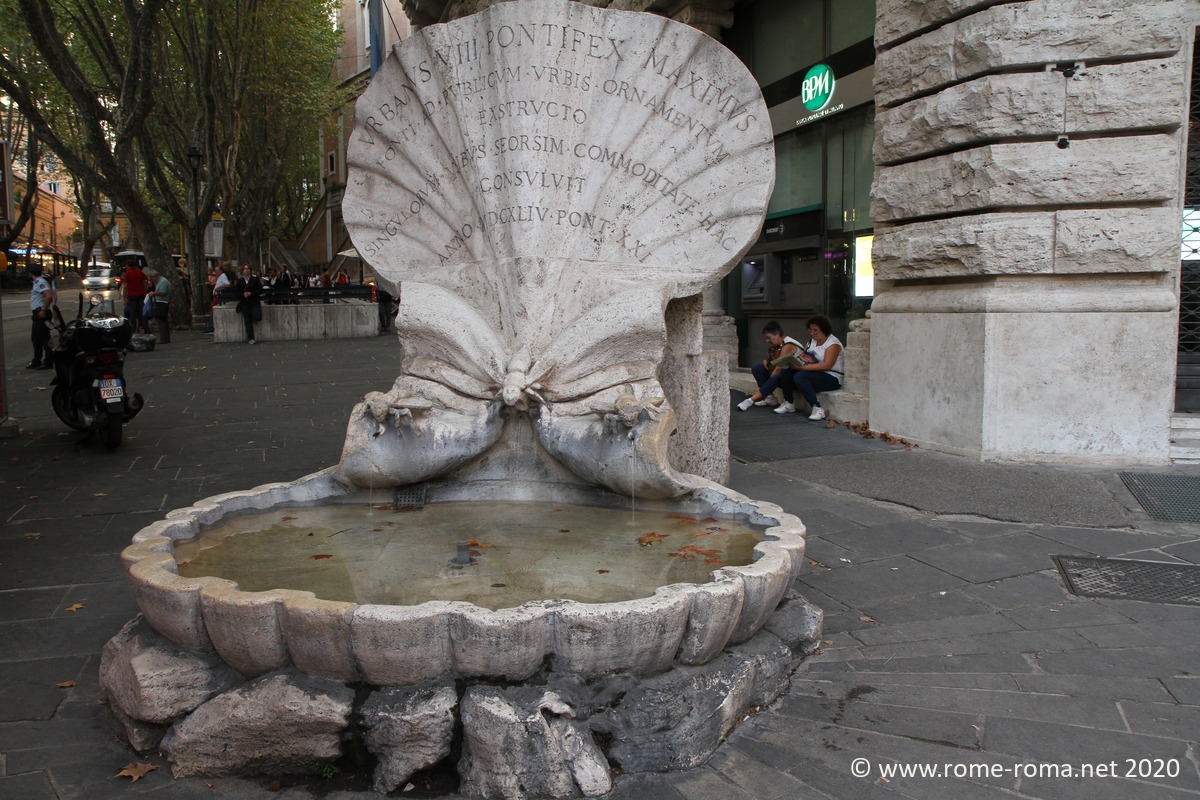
{"x":769,"y":373}
{"x":823,"y":374}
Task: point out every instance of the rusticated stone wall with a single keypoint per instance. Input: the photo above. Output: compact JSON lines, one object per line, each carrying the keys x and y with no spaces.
{"x":1028,"y":189}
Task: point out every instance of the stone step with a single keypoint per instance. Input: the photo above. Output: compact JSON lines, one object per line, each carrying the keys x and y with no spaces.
{"x":1185,"y":422}
{"x":1185,"y":439}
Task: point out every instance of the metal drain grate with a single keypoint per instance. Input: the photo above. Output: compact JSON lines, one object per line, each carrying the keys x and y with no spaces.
{"x":410,"y":497}
{"x":1171,"y":498}
{"x":1125,"y":579}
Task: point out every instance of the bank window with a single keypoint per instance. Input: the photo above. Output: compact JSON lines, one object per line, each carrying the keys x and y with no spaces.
{"x":776,"y":38}
{"x":850,"y":21}
{"x":798,"y":171}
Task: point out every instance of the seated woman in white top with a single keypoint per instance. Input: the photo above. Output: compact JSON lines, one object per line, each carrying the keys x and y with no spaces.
{"x":823,"y":376}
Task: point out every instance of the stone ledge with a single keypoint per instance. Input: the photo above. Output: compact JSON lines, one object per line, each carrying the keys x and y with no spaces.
{"x":339,"y":320}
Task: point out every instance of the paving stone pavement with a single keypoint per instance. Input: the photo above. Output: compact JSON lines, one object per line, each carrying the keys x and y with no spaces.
{"x":950,"y":643}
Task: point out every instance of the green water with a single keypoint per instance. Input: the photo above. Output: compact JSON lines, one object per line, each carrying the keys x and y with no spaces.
{"x":520,"y":552}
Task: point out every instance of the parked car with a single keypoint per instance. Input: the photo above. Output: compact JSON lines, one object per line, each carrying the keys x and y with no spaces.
{"x":99,"y":279}
{"x":125,"y":258}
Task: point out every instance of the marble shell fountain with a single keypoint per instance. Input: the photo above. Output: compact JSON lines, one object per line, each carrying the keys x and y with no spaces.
{"x":536,"y":183}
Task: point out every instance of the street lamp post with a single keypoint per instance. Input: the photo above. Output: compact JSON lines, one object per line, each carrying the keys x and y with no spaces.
{"x":198,"y":277}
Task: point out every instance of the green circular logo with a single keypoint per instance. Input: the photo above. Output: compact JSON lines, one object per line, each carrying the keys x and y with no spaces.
{"x":817,"y":89}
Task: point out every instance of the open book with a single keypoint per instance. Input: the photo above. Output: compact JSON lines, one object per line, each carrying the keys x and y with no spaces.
{"x":795,"y":360}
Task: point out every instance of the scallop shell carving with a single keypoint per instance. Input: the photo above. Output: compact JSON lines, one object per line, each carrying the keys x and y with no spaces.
{"x":552,"y":129}
{"x":539,"y":180}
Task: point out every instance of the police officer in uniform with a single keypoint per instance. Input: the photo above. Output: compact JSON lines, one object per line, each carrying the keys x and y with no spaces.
{"x":41,"y":300}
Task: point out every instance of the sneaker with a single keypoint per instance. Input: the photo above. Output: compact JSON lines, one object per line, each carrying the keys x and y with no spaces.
{"x":817,"y":413}
{"x":34,"y":365}
{"x":745,"y":404}
{"x":785,"y":408}
{"x":252,"y":341}
{"x":769,"y":401}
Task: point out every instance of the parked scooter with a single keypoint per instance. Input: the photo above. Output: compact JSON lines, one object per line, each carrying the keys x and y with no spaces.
{"x":89,"y":392}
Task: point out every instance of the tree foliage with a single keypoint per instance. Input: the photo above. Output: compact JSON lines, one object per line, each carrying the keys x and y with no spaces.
{"x":122,"y":90}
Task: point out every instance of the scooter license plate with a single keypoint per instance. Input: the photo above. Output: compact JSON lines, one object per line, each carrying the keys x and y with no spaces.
{"x":111,"y":389}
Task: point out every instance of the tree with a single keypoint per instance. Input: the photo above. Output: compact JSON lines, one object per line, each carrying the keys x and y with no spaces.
{"x":102,"y":79}
{"x":137,"y":85}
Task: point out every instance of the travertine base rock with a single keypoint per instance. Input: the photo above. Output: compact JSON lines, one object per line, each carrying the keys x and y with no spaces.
{"x":408,"y":730}
{"x":558,"y":736}
{"x":798,"y":624}
{"x":152,"y":680}
{"x":677,"y":720}
{"x":281,"y":722}
{"x":523,"y":743}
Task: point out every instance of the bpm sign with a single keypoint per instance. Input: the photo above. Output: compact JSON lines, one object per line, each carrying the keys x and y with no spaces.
{"x":817,"y":89}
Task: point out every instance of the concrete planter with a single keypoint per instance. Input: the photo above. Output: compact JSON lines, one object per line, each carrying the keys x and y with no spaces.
{"x":341,"y":319}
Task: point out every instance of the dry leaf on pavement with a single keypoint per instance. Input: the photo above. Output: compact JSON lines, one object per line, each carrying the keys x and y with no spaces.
{"x":75,"y":607}
{"x":135,"y":771}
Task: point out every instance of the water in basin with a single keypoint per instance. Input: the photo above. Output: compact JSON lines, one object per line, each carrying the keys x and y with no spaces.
{"x":516,"y":552}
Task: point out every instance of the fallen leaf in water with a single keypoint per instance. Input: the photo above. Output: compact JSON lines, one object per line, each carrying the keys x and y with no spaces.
{"x":564,"y":530}
{"x":716,"y":529}
{"x":602,"y":571}
{"x":712,"y":561}
{"x":477,"y":543}
{"x":680,"y":515}
{"x":104,"y":494}
{"x":323,"y":555}
{"x":75,"y":607}
{"x":376,"y":529}
{"x":66,"y":684}
{"x":499,"y":585}
{"x":287,"y":519}
{"x":709,"y":519}
{"x":135,"y":771}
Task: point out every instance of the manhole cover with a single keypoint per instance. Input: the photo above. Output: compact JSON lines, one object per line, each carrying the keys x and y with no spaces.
{"x":1125,"y":579}
{"x":1171,"y":498}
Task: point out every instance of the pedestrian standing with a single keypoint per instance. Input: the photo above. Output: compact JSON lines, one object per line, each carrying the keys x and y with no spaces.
{"x":250,"y":289}
{"x":161,"y":298}
{"x":41,"y":301}
{"x":133,"y":286}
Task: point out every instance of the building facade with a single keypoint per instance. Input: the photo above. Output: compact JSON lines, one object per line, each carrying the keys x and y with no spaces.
{"x":1001,"y":184}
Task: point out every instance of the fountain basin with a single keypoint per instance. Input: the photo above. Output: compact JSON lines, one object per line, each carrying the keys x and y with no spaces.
{"x":256,"y":632}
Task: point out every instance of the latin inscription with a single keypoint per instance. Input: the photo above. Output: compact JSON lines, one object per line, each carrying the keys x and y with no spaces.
{"x":655,"y":85}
